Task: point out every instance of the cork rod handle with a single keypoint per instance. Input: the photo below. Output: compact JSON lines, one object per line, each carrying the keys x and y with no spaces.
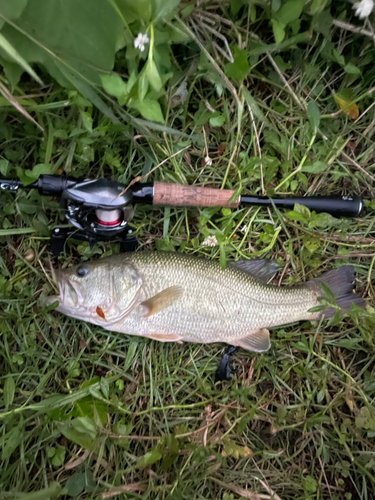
{"x":179,"y":195}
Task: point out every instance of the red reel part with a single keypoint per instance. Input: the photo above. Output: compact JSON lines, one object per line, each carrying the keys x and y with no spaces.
{"x":108,"y":217}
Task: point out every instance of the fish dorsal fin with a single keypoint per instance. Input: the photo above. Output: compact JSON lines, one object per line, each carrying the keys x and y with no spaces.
{"x":258,"y":341}
{"x":261,"y":269}
{"x":162,"y":300}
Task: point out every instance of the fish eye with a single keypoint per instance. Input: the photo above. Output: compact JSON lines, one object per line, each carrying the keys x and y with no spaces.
{"x":82,"y":271}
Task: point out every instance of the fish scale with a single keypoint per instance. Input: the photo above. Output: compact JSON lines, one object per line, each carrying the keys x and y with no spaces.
{"x":170,"y":296}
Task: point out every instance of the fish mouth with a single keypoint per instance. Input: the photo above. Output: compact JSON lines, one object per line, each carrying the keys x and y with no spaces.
{"x":70,"y":298}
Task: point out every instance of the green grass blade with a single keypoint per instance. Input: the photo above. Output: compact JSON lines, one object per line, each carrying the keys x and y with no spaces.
{"x":17,"y":58}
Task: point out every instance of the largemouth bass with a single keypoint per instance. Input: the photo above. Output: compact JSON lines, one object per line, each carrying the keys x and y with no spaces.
{"x":174,"y":297}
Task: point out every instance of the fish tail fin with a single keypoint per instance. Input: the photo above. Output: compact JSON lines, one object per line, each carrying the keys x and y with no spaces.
{"x":341,"y":283}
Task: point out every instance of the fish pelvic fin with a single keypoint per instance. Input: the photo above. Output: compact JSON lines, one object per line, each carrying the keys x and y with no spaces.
{"x":165,"y":337}
{"x":258,"y":341}
{"x":341,"y":283}
{"x":162,"y":300}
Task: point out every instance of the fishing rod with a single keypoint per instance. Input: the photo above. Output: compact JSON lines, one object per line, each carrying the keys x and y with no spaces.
{"x":101,"y":209}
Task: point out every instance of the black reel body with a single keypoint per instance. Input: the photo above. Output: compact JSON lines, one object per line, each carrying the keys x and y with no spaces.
{"x":100,"y":211}
{"x":98,"y":207}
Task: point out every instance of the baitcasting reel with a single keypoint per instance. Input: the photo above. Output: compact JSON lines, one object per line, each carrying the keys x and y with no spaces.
{"x":98,"y":209}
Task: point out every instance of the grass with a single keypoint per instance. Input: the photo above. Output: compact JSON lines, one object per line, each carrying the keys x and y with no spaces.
{"x":297,"y":422}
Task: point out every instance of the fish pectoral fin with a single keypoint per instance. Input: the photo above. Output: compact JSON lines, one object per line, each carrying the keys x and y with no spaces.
{"x":258,"y":341}
{"x":162,"y":300}
{"x":165,"y":337}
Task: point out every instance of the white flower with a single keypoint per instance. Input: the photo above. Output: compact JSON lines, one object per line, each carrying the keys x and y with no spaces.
{"x":210,"y":241}
{"x":363,"y":8}
{"x":244,"y":229}
{"x":140,"y":41}
{"x":208,"y":161}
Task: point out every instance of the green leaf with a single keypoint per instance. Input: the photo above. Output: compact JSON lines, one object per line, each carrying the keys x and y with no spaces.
{"x":153,"y":75}
{"x":114,"y":85}
{"x":17,"y":58}
{"x":187,"y":10}
{"x":217,"y":120}
{"x":86,"y":120}
{"x":120,"y":384}
{"x":142,"y":9}
{"x":316,"y":168}
{"x":75,"y":484}
{"x":90,"y":407}
{"x":167,"y":461}
{"x":164,"y":7}
{"x":365,"y":419}
{"x":339,"y":58}
{"x":87,"y":91}
{"x":9,"y":388}
{"x":143,"y":82}
{"x":59,"y":456}
{"x":310,"y":484}
{"x":351,"y":69}
{"x":302,"y":209}
{"x":122,"y":430}
{"x":81,"y":431}
{"x":84,"y":34}
{"x":313,"y":115}
{"x":317,"y":6}
{"x":284,"y":66}
{"x":322,"y":220}
{"x":51,"y":452}
{"x":30,"y":176}
{"x":4,"y":167}
{"x":104,"y":387}
{"x":240,"y":68}
{"x":232,"y":449}
{"x":328,"y":295}
{"x":149,"y":108}
{"x":312,"y":243}
{"x":27,"y":206}
{"x":10,"y":442}
{"x":172,"y":443}
{"x":316,"y":309}
{"x":278,"y":30}
{"x":290,"y":11}
{"x":12,"y":9}
{"x":202,"y":115}
{"x":294,"y":215}
{"x":251,"y":102}
{"x":149,"y":458}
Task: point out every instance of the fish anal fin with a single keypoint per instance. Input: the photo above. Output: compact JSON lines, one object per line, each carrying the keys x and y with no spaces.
{"x":258,"y":341}
{"x":162,"y":300}
{"x":261,"y":269}
{"x":165,"y":337}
